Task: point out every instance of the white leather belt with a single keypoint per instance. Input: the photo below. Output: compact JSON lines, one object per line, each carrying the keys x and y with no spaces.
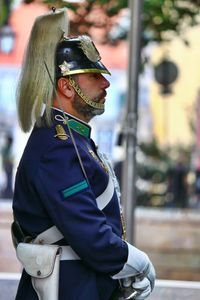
{"x":50,"y":236}
{"x":68,"y":254}
{"x":53,"y":235}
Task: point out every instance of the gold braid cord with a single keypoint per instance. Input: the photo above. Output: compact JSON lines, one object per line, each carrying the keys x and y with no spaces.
{"x":84,"y":97}
{"x":123,"y":226}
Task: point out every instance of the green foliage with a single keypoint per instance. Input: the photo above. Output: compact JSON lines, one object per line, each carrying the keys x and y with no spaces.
{"x":158,"y":16}
{"x":153,"y":172}
{"x":116,"y":7}
{"x":153,"y":150}
{"x":3,"y":12}
{"x":153,"y":168}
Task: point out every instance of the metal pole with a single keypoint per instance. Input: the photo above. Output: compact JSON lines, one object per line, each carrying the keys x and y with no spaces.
{"x":130,"y":124}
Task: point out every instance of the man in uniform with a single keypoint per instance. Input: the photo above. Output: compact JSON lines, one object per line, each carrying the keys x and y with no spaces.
{"x":65,"y":191}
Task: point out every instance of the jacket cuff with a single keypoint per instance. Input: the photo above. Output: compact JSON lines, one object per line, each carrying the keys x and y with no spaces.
{"x":137,"y":261}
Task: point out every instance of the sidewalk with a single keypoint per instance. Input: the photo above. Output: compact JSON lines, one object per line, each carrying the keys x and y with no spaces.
{"x":164,"y":289}
{"x":176,"y":290}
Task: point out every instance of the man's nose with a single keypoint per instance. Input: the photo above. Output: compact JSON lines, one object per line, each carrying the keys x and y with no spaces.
{"x":105,"y":82}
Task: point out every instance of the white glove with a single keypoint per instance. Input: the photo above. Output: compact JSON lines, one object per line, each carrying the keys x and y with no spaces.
{"x":138,"y":265}
{"x":143,"y":288}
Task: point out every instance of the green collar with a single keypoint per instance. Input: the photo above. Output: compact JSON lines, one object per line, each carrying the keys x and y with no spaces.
{"x":79,"y":127}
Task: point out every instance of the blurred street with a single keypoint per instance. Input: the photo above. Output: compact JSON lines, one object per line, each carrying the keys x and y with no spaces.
{"x":164,"y":290}
{"x":182,"y":265}
{"x":8,"y":260}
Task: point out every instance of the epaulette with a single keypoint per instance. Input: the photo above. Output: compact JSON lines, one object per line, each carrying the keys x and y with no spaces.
{"x":61,"y":133}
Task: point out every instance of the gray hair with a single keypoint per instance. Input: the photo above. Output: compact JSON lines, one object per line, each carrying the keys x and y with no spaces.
{"x":35,"y":86}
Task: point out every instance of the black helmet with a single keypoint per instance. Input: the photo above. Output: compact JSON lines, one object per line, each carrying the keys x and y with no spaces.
{"x":78,"y":55}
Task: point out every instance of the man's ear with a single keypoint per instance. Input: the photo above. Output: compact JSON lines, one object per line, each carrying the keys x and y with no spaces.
{"x":64,"y":87}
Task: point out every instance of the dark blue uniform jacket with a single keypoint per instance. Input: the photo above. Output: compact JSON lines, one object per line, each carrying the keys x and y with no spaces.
{"x":51,"y":189}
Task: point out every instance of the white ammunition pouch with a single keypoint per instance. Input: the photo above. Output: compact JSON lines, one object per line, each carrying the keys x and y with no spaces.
{"x":42,"y":263}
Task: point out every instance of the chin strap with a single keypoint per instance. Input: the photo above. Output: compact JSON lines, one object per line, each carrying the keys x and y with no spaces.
{"x":83,"y":96}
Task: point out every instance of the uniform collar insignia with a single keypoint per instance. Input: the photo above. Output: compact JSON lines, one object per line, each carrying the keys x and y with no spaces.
{"x":77,"y":125}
